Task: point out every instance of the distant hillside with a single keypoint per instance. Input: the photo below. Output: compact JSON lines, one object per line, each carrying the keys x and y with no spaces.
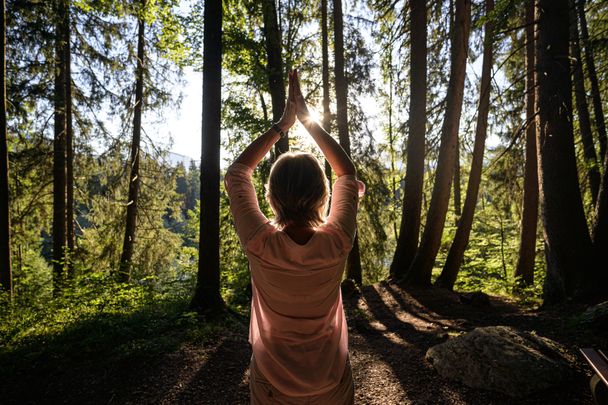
{"x":174,"y":159}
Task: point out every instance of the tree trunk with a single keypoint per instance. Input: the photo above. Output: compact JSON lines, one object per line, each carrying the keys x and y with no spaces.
{"x":130,"y":228}
{"x":59,"y":149}
{"x":420,"y":271}
{"x":524,"y":270}
{"x":391,"y":138}
{"x":272,"y":34}
{"x":580,"y":95}
{"x":600,"y":228}
{"x":207,"y":298}
{"x":6,"y":275}
{"x":567,"y":240}
{"x":457,"y":194}
{"x":461,"y":239}
{"x":325,"y":76}
{"x":353,"y":266}
{"x":595,"y":88}
{"x":67,"y":61}
{"x":409,"y":229}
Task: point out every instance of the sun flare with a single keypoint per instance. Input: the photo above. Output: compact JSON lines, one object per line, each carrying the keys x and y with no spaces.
{"x":300,"y":136}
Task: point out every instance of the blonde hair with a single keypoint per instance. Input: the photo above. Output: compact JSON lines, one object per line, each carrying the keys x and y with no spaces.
{"x":297,"y":190}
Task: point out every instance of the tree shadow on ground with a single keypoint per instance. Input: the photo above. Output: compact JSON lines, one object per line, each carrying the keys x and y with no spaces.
{"x":374,"y":341}
{"x":439,"y":311}
{"x":224,"y":375}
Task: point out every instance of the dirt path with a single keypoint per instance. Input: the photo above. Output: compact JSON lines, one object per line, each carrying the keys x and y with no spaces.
{"x":390,"y":331}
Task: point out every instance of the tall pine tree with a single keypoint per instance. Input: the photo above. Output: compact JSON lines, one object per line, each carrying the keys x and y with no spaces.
{"x":207,"y":298}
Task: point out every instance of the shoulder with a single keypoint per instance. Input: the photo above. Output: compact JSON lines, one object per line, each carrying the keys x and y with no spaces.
{"x":332,"y":235}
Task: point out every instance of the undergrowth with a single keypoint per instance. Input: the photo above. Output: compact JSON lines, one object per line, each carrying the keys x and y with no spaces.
{"x":102,"y":321}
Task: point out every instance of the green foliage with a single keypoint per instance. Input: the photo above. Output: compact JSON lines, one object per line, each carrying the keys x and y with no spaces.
{"x":98,"y":319}
{"x":157,"y":248}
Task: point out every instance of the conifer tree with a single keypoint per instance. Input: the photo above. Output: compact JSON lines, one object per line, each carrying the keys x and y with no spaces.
{"x":353,"y":264}
{"x":207,"y":296}
{"x":409,"y":232}
{"x":420,"y":270}
{"x":6,"y":275}
{"x":134,"y":175}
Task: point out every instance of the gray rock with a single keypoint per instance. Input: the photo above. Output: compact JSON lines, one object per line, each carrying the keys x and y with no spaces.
{"x":502,"y":359}
{"x":596,"y":316}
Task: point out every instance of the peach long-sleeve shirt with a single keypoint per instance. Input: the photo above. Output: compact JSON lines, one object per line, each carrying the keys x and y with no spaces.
{"x":298,"y":331}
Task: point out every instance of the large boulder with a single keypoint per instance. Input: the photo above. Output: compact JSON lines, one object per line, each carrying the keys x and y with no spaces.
{"x":596,"y":316}
{"x":502,"y":359}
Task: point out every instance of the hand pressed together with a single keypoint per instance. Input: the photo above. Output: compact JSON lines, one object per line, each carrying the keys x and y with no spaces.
{"x":295,"y":105}
{"x":301,"y":108}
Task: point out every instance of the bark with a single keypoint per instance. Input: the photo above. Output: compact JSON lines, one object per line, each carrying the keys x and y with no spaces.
{"x":580,"y":96}
{"x":595,"y":88}
{"x":353,"y":266}
{"x":461,"y":239}
{"x":524,"y":270}
{"x":272,"y":34}
{"x":420,"y":271}
{"x":600,"y":228}
{"x":59,"y":150}
{"x":409,"y":229}
{"x":325,"y":78}
{"x":6,"y":275}
{"x":567,"y":240}
{"x":207,"y":298}
{"x":131,"y":225}
{"x":67,"y":61}
{"x":457,"y":193}
{"x":391,"y":138}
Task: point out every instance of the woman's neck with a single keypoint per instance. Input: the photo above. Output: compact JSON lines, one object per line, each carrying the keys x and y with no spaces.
{"x":299,"y":233}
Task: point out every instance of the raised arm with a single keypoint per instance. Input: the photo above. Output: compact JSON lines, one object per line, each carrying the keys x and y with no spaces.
{"x":255,"y":152}
{"x":333,"y":152}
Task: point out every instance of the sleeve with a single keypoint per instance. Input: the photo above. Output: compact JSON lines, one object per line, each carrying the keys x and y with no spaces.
{"x":248,"y":217}
{"x":346,"y":193}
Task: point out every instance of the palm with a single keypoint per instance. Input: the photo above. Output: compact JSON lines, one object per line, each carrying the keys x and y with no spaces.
{"x":301,"y":108}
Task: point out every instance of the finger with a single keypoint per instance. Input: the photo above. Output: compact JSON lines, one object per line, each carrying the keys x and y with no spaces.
{"x":293,"y":86}
{"x":297,"y":83}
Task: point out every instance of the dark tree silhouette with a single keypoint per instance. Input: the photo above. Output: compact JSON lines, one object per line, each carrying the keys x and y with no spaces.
{"x":580,"y":96}
{"x":207,"y":298}
{"x":353,"y":264}
{"x":600,"y":122}
{"x":600,"y":228}
{"x":131,"y":224}
{"x":6,"y":275}
{"x":272,"y":34}
{"x":325,"y":78}
{"x":59,"y":145}
{"x":409,"y":230}
{"x":461,"y":239}
{"x":69,"y":145}
{"x":457,"y":192}
{"x":567,"y":240}
{"x":420,"y":270}
{"x":524,"y":270}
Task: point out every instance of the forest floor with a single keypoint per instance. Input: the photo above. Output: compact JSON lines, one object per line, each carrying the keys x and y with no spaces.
{"x":390,"y":330}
